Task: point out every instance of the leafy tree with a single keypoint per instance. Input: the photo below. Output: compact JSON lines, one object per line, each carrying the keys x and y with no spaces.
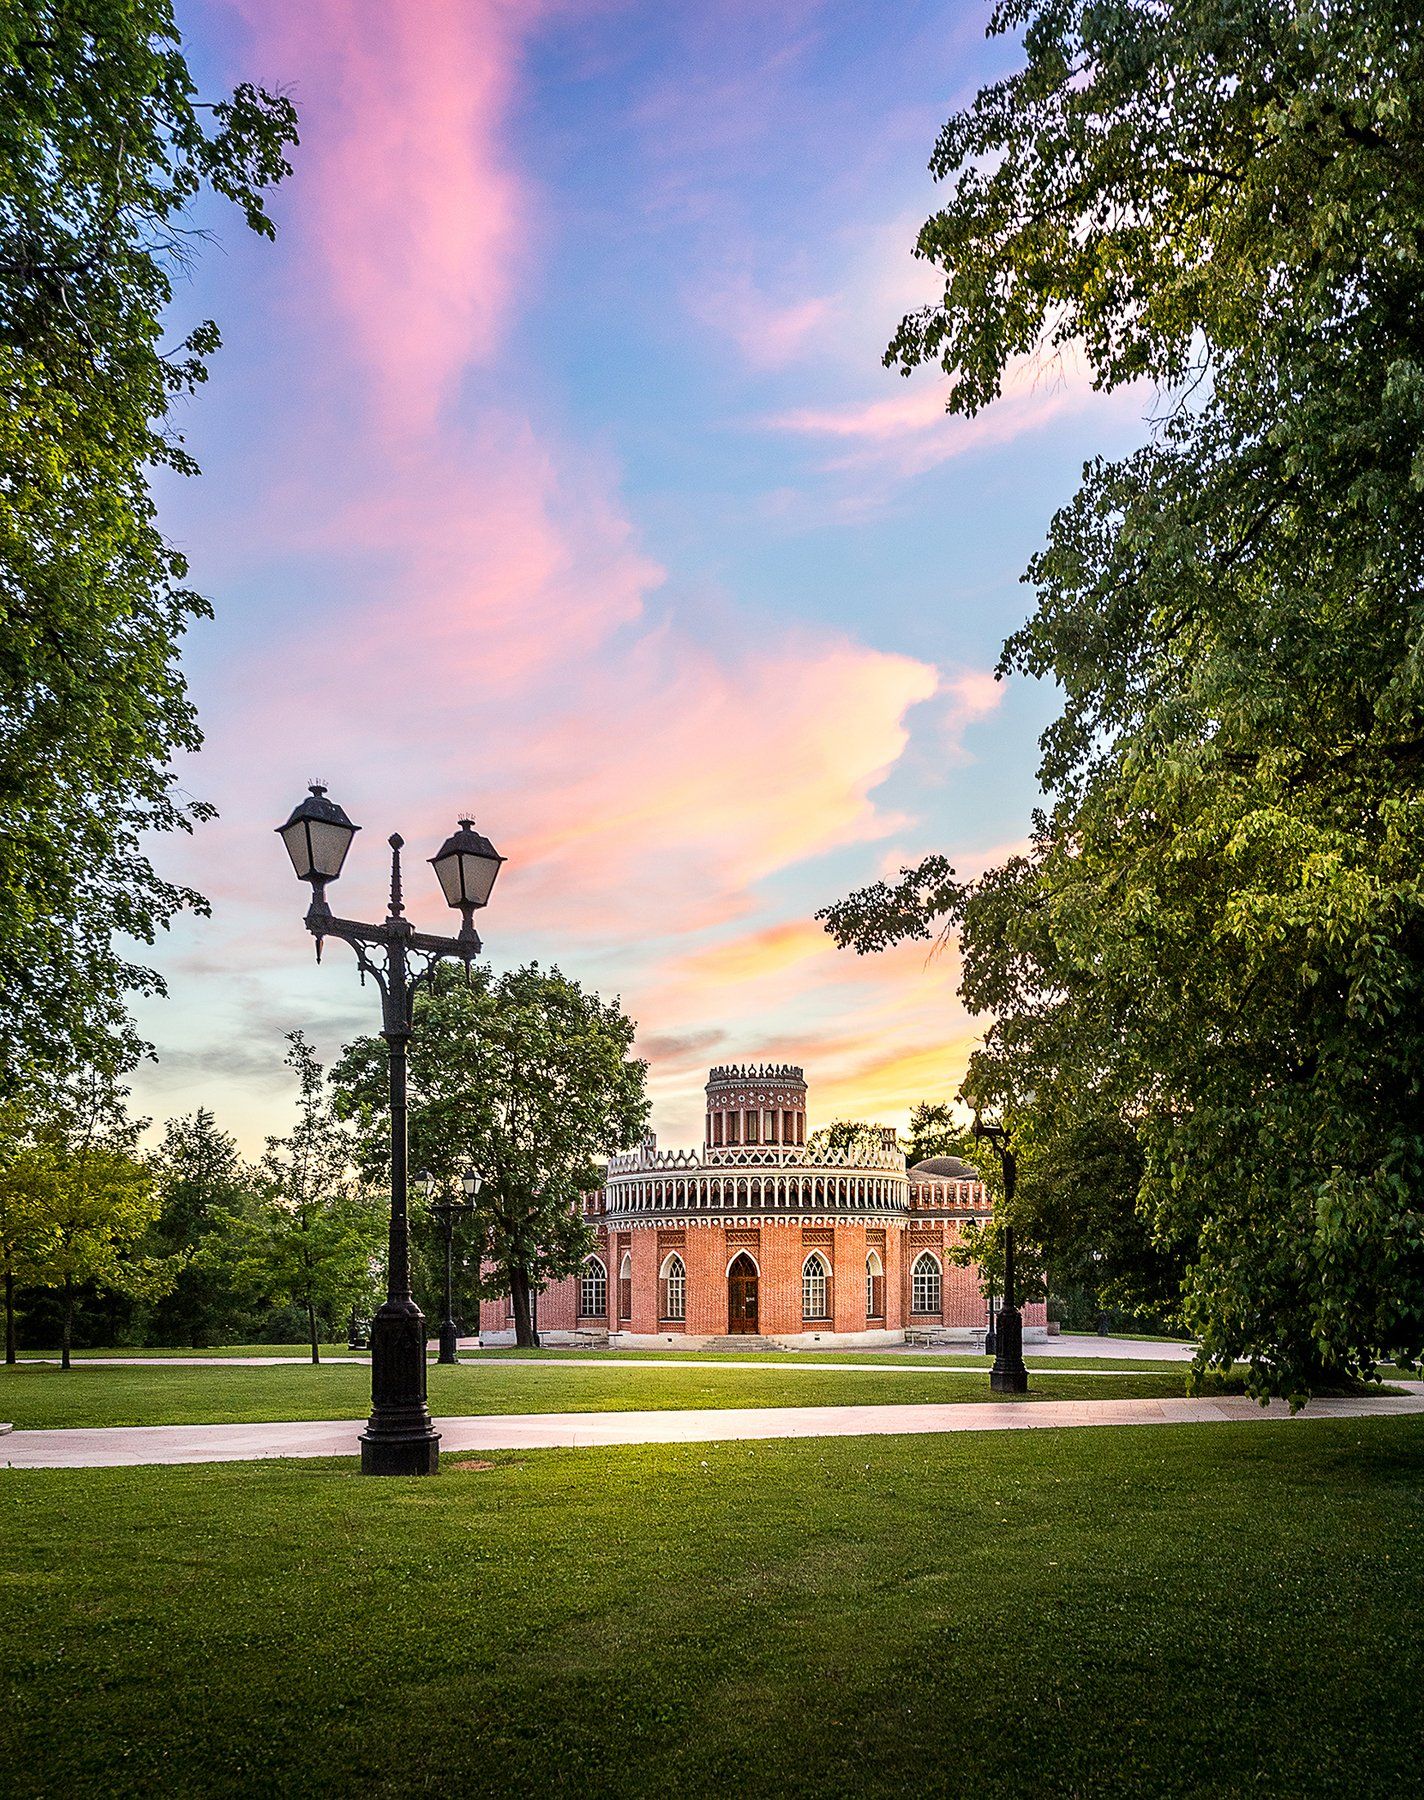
{"x":1214,"y":947}
{"x":529,"y":1080}
{"x":842,"y":1135}
{"x":24,"y":1224}
{"x":202,"y":1185}
{"x":314,"y":1234}
{"x":103,"y":149}
{"x":92,"y":1197}
{"x":934,"y":1131}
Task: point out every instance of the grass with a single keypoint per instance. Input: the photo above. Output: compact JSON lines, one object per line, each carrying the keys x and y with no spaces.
{"x":1205,"y":1610}
{"x":1037,"y":1356}
{"x":223,"y":1350}
{"x":35,"y":1396}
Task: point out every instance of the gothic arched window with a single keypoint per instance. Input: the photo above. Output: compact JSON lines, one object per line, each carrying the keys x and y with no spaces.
{"x":674,"y":1279}
{"x":815,"y":1287}
{"x":925,"y":1286}
{"x":874,"y":1287}
{"x":593,"y":1289}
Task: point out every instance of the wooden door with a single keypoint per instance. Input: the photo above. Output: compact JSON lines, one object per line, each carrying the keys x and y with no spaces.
{"x":742,"y":1281}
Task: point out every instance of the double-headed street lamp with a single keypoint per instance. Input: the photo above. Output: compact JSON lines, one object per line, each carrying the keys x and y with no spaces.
{"x":447,"y":1209}
{"x":399,"y":1438}
{"x":1009,"y":1374}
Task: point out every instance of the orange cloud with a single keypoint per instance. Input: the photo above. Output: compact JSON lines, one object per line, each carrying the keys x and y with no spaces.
{"x":758,"y":953}
{"x":697,"y":775}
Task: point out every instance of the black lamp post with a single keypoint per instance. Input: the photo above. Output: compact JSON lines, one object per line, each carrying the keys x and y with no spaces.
{"x":399,"y":1438}
{"x":447,"y":1209}
{"x":1008,"y":1375}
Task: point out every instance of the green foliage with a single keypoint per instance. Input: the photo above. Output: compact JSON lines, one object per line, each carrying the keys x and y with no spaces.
{"x":934,"y":1131}
{"x":103,"y":149}
{"x":202,"y":1185}
{"x":525,"y":1078}
{"x":312,"y":1236}
{"x":1212,"y":955}
{"x":80,"y":1200}
{"x":844,"y":1134}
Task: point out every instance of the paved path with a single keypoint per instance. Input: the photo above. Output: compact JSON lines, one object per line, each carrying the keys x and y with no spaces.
{"x":120,"y":1446}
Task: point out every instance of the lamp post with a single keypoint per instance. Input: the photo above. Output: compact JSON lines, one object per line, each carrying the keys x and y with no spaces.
{"x":1008,"y":1375}
{"x":447,"y":1210}
{"x":399,"y":1438}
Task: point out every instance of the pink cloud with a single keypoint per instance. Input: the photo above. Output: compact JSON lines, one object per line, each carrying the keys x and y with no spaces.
{"x":698,"y":775}
{"x":401,"y":175}
{"x":911,"y":432}
{"x":768,"y":333}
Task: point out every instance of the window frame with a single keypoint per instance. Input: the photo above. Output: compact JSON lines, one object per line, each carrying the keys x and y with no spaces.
{"x":588,"y":1281}
{"x":932,"y":1274}
{"x":816,"y":1282}
{"x":672,"y":1289}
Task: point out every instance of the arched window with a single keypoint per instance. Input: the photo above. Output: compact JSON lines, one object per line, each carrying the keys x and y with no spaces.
{"x":874,"y":1287}
{"x":925,"y":1285}
{"x":815,"y":1287}
{"x":674,"y":1279}
{"x":625,"y":1287}
{"x":593,"y":1289}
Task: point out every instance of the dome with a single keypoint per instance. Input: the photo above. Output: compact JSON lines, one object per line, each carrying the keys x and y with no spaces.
{"x":945,"y":1168}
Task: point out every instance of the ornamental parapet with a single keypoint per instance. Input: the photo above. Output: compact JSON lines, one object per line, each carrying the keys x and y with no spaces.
{"x":646,"y":1160}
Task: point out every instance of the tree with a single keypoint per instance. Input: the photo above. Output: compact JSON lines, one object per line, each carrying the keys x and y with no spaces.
{"x":934,"y":1131}
{"x":103,"y":149}
{"x":527,"y":1079}
{"x":24,"y":1225}
{"x":202,"y":1184}
{"x":314,"y":1234}
{"x":1214,"y":947}
{"x":93,"y":1197}
{"x":845,"y":1134}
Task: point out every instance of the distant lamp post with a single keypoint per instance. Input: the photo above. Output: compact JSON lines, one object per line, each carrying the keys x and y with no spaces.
{"x":399,"y":1438}
{"x":1008,"y":1375}
{"x":447,"y":1209}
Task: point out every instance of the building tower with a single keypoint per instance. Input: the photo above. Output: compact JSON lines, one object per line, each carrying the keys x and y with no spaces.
{"x":758,"y":1106}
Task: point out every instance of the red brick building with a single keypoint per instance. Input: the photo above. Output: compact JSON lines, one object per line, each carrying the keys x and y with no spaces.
{"x":751,"y":1237}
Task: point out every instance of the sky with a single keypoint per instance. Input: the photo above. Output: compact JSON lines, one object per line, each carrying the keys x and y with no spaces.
{"x":550,"y":472}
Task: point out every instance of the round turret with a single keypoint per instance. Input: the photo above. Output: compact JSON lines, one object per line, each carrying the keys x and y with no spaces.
{"x":756,"y":1104}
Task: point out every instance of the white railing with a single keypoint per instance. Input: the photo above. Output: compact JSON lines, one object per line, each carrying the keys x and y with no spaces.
{"x":882,"y":1159}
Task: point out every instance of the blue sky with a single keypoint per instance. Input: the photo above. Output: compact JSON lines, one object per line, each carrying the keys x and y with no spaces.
{"x":550,"y":469}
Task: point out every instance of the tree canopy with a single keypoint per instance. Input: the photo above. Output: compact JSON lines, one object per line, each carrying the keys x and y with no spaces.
{"x":1211,"y":958}
{"x":104,"y":147}
{"x":313,"y":1236}
{"x":527,"y":1079}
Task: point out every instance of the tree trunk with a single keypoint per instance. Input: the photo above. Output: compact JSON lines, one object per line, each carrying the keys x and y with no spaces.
{"x":68,"y":1336}
{"x":524,"y":1333}
{"x":312,"y":1332}
{"x":9,"y":1315}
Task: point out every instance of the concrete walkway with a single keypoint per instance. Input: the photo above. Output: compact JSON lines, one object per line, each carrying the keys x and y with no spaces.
{"x":127,"y":1446}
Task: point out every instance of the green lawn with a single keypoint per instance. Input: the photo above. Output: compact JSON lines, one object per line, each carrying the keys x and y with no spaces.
{"x":1205,"y":1610}
{"x":35,"y":1396}
{"x":222,"y":1350}
{"x":1037,"y":1356}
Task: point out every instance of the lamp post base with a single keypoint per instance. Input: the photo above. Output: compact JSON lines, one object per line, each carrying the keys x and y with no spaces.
{"x":1008,"y":1375}
{"x":399,"y":1438}
{"x":413,"y":1455}
{"x":449,"y":1342}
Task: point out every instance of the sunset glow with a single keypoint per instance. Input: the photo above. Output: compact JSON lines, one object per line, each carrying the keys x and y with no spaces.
{"x":550,"y":471}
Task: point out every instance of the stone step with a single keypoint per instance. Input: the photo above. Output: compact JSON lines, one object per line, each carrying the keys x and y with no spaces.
{"x":742,"y":1341}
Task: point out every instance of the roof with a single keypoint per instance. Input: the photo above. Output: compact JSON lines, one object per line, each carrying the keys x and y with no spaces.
{"x":944,"y":1168}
